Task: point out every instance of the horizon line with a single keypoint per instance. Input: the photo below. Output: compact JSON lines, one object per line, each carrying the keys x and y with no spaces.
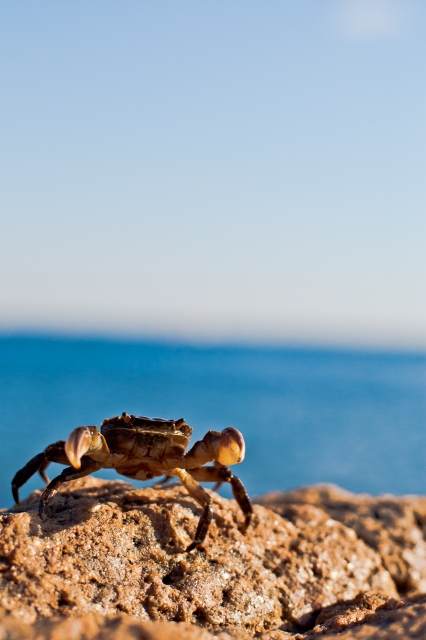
{"x":211,"y":342}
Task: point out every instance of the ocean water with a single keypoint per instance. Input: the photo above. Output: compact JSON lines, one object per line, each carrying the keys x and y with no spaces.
{"x":308,"y":415}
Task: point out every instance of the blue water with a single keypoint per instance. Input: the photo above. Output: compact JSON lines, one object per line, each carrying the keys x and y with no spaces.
{"x":354,"y":418}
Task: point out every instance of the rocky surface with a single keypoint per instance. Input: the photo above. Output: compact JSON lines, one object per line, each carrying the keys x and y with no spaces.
{"x":369,"y":617}
{"x":97,"y":627}
{"x":109,"y":548}
{"x":109,"y":563}
{"x":395,"y":527}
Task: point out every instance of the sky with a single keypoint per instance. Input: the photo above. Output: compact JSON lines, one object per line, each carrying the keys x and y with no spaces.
{"x":218,"y":171}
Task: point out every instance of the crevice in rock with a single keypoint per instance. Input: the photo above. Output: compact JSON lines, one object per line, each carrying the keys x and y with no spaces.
{"x":175,"y":575}
{"x":200,"y":616}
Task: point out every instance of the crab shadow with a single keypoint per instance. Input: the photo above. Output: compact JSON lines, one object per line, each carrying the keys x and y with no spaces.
{"x":70,"y":508}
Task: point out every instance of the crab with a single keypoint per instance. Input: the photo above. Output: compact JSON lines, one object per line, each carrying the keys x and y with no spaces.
{"x":143,"y":448}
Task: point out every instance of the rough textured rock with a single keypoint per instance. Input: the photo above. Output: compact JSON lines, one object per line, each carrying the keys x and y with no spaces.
{"x":97,"y":627}
{"x":340,"y":617}
{"x":403,"y":624}
{"x":393,"y":526}
{"x":369,"y":619}
{"x":110,"y":548}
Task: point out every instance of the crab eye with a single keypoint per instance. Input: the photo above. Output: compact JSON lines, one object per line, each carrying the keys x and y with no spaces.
{"x":77,"y":444}
{"x":232,"y":448}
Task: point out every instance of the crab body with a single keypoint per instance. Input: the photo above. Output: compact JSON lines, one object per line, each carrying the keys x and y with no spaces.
{"x":142,"y":448}
{"x":145,"y":444}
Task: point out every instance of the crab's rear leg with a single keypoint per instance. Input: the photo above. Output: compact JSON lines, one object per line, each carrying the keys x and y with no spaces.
{"x":197,"y":492}
{"x":53,"y":453}
{"x":218,"y":484}
{"x":42,"y":471}
{"x":223,"y":474}
{"x":163,"y":481}
{"x":87,"y":466}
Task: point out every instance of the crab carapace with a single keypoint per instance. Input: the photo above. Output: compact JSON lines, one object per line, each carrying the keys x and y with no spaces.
{"x":143,"y":448}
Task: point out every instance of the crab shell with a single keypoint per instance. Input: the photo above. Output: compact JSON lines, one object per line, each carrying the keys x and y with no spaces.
{"x":143,"y":437}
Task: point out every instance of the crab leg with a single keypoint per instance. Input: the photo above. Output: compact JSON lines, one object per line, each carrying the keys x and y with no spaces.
{"x":53,"y":453}
{"x":197,"y":492}
{"x":87,"y":466}
{"x":219,"y":483}
{"x":42,"y":471}
{"x":223,"y":474}
{"x":163,"y":481}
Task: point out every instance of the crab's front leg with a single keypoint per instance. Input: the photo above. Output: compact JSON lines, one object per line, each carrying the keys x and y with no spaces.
{"x":87,"y":466}
{"x":223,"y":474}
{"x":225,"y":448}
{"x":80,"y":446}
{"x":197,"y":492}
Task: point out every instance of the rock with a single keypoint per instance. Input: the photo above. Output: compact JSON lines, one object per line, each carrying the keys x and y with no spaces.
{"x":108,"y":548}
{"x":393,"y":526}
{"x":326,"y":561}
{"x":363,"y":620}
{"x":369,"y":617}
{"x":364,"y":609}
{"x":97,"y":627}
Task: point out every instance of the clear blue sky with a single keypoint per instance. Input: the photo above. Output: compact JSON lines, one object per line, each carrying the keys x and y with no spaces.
{"x":250,"y":170}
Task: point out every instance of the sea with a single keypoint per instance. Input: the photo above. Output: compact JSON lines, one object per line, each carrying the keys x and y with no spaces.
{"x":356,"y":418}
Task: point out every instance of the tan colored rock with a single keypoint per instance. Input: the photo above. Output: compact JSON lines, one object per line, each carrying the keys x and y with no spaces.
{"x":109,"y":548}
{"x":388,"y":621}
{"x":393,"y":526}
{"x":403,"y":624}
{"x":324,"y":559}
{"x":340,"y":617}
{"x":369,"y":617}
{"x":97,"y":627}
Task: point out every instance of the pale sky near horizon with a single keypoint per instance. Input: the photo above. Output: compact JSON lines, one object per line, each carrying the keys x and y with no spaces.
{"x":248,"y":170}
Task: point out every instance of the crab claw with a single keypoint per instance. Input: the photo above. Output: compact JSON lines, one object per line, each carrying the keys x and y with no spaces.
{"x":77,"y":444}
{"x":232,"y":448}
